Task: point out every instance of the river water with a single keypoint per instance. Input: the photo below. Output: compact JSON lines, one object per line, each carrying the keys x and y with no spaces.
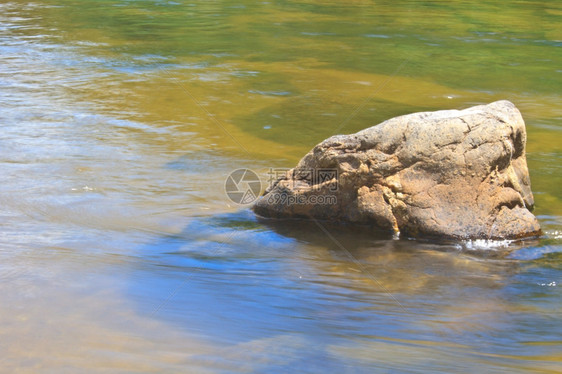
{"x":121,"y":252}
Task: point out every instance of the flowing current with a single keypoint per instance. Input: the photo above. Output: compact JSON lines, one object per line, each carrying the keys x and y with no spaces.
{"x":120,"y":250}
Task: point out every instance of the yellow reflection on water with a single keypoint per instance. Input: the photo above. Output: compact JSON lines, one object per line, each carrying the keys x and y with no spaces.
{"x":70,"y":325}
{"x":418,"y":355}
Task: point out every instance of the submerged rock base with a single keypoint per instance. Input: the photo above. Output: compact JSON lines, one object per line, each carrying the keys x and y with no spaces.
{"x":453,"y":173}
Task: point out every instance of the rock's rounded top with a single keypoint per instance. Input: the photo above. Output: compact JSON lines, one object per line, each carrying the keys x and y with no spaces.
{"x":449,"y":173}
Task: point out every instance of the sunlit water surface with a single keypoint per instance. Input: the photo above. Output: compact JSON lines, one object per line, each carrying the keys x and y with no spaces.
{"x":120,"y":251}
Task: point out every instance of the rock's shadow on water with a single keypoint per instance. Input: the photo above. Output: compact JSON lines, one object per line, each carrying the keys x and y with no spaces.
{"x":241,"y":247}
{"x":243,"y":235}
{"x":247,"y":280}
{"x":242,"y":243}
{"x":355,"y":239}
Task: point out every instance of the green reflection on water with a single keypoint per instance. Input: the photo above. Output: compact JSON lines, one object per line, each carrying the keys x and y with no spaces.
{"x":485,"y":45}
{"x":283,"y":75}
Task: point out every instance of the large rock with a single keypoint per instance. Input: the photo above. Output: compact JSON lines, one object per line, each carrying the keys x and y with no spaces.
{"x":451,"y":174}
